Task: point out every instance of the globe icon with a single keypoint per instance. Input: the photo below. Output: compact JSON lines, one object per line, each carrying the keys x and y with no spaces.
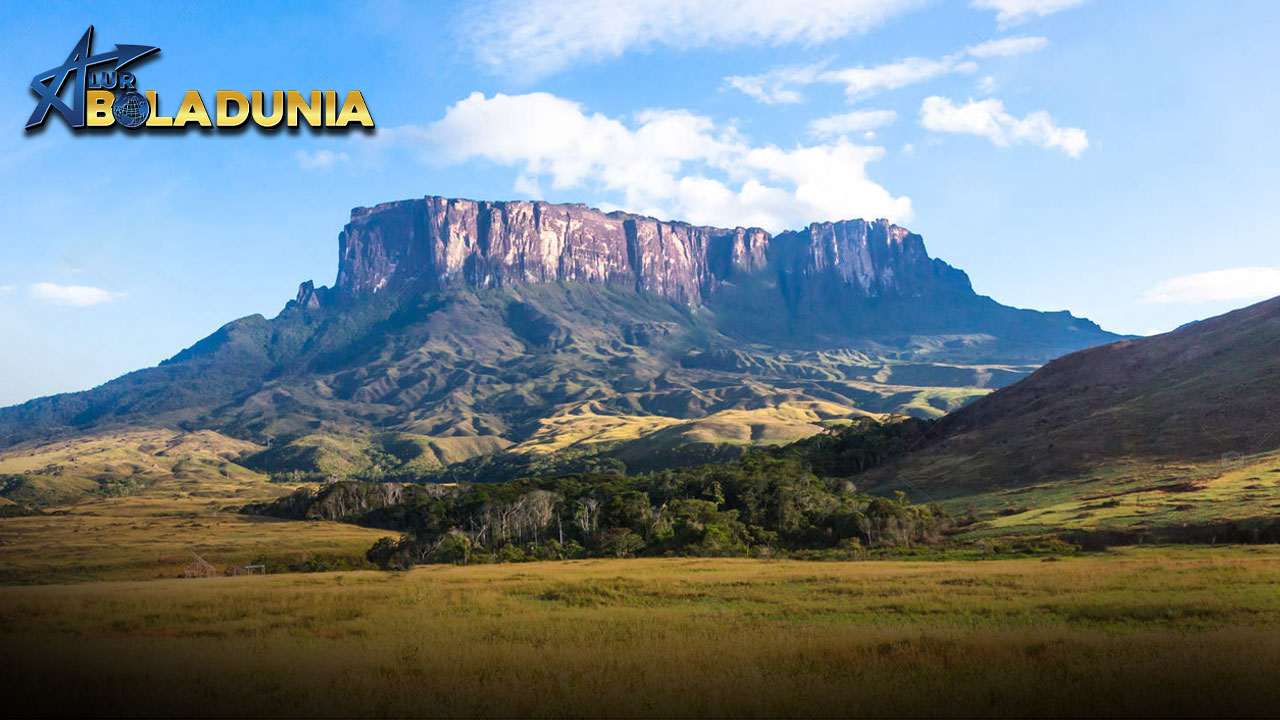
{"x":131,"y":109}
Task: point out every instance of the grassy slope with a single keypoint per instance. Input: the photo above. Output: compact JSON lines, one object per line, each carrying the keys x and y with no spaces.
{"x":117,"y":463}
{"x":1145,"y":632}
{"x":1195,"y":395}
{"x":585,"y":425}
{"x":513,"y":365}
{"x":334,"y":455}
{"x":1168,"y":500}
{"x":181,"y":496}
{"x":1177,"y":430}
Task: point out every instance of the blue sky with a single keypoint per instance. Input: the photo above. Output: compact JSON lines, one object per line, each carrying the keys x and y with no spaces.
{"x":1117,"y":159}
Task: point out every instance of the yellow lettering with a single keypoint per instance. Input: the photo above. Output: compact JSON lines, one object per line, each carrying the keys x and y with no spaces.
{"x":330,"y":108}
{"x":156,"y":119}
{"x":191,"y":110}
{"x":296,"y":105}
{"x":277,"y":109}
{"x":354,"y":110}
{"x":222,"y":108}
{"x":97,"y":108}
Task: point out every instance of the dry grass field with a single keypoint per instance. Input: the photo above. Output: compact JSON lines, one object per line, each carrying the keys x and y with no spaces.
{"x":1142,"y":631}
{"x":135,"y":505}
{"x":1152,"y":632}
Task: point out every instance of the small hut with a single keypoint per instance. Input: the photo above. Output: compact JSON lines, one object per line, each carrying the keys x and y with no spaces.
{"x":199,"y":568}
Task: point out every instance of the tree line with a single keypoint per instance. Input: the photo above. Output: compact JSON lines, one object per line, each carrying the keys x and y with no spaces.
{"x":792,"y":500}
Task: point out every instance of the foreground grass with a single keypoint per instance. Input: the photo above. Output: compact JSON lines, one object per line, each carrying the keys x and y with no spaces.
{"x":1151,"y":632}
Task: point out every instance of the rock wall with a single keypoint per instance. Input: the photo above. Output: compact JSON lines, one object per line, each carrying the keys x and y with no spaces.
{"x":436,"y":243}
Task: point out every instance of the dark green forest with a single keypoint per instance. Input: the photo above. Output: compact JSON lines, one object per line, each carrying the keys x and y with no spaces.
{"x":794,"y":500}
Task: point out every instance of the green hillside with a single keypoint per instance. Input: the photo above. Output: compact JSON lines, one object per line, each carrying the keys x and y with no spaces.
{"x":1171,"y":436}
{"x":413,"y":382}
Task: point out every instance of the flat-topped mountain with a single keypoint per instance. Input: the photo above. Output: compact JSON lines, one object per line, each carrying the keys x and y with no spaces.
{"x":827,"y":284}
{"x":438,"y":243}
{"x":463,"y":327}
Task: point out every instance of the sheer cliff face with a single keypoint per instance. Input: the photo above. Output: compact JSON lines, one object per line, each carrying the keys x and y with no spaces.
{"x":853,"y":313}
{"x":437,"y":243}
{"x":828,"y":262}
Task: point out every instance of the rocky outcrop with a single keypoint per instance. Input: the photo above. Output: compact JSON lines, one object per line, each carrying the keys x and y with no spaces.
{"x":437,"y":243}
{"x":309,"y":296}
{"x":828,"y":262}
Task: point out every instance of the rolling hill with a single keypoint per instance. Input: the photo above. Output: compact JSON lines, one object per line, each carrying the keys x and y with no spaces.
{"x":1175,"y":430}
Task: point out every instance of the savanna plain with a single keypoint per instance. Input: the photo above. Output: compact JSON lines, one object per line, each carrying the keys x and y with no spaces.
{"x":1140,"y":631}
{"x":95,"y":621}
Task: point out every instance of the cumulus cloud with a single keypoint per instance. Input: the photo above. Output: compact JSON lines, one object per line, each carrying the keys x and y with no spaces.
{"x":988,"y":119}
{"x":857,"y":121}
{"x":666,"y":163}
{"x":781,"y":85}
{"x":1014,"y":12}
{"x":1246,"y":283}
{"x":76,"y":295}
{"x":534,"y":38}
{"x":320,"y":159}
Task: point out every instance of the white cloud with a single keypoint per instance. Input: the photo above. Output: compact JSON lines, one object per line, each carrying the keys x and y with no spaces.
{"x":77,"y":295}
{"x":666,"y":163}
{"x":780,"y":85}
{"x":320,"y":159}
{"x":1014,"y":12}
{"x":864,"y":82}
{"x":775,"y":87}
{"x":987,"y":85}
{"x":852,"y":122}
{"x":6,"y":289}
{"x":534,"y":38}
{"x":528,"y":186}
{"x":1006,"y":47}
{"x":1246,"y":283}
{"x":989,"y":119}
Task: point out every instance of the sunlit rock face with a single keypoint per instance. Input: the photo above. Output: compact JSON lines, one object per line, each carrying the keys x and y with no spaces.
{"x":436,"y":243}
{"x":457,"y":318}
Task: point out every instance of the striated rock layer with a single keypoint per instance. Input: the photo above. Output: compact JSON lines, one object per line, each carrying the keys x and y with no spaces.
{"x":436,"y":243}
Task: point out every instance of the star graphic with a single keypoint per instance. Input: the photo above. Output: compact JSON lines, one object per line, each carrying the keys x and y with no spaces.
{"x":50,"y":82}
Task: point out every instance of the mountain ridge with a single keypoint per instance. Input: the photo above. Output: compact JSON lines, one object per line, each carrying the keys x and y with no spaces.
{"x":447,"y":243}
{"x":457,"y":318}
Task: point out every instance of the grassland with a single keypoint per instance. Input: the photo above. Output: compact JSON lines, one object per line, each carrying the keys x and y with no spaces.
{"x":1179,"y":501}
{"x":117,"y":463}
{"x":137,"y":504}
{"x":586,"y":425}
{"x":1143,"y":632}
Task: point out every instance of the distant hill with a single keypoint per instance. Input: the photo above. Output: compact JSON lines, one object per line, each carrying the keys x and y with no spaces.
{"x":1176,"y":429}
{"x":459,"y":328}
